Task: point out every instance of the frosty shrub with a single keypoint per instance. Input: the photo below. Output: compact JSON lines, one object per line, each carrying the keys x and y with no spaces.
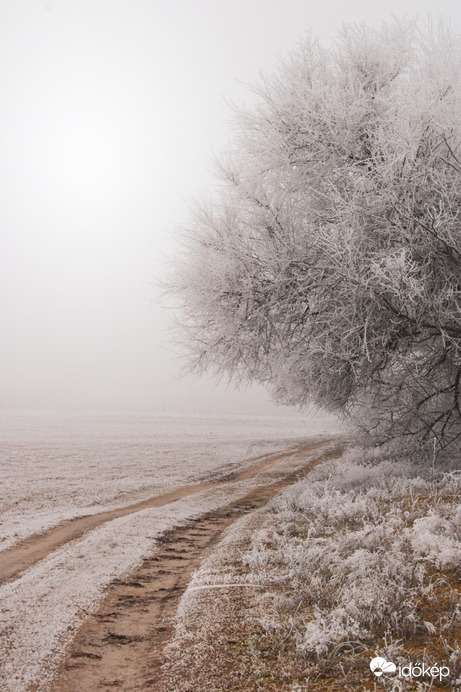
{"x":328,"y":266}
{"x":350,"y":556}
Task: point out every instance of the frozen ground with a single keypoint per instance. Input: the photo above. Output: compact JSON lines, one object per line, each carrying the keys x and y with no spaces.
{"x":55,"y":467}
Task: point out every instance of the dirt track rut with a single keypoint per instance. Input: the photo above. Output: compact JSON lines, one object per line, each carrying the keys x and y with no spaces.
{"x":120,"y":646}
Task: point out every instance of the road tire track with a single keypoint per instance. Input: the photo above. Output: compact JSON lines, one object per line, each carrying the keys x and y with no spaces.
{"x":120,"y":646}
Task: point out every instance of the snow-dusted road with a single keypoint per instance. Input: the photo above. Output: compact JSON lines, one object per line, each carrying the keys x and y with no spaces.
{"x":41,"y":608}
{"x":122,"y":644}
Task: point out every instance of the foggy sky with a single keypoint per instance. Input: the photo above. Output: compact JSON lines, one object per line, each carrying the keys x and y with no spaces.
{"x":111,"y":112}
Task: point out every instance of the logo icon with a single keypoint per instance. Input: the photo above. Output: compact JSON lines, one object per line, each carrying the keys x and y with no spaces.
{"x":379,"y":666}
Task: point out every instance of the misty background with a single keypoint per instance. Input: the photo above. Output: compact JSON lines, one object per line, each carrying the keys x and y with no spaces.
{"x":111,"y":114}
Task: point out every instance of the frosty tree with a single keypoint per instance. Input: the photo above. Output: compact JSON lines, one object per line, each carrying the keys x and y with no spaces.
{"x":329,"y":265}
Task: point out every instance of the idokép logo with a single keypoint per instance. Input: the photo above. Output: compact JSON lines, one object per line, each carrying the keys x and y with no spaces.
{"x":380,"y":666}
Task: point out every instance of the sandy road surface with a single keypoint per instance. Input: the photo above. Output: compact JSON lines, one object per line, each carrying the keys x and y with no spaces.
{"x":120,"y":646}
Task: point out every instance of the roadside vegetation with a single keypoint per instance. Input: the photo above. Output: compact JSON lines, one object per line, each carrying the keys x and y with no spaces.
{"x":362,"y":559}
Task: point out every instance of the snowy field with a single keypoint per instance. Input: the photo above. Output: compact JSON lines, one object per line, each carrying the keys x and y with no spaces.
{"x":55,"y":467}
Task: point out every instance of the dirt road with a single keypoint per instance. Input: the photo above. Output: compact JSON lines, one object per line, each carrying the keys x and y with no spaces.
{"x":18,"y":558}
{"x":120,"y":646}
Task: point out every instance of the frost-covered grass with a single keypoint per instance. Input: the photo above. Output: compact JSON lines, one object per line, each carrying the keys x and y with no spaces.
{"x":361,"y":559}
{"x":55,"y":467}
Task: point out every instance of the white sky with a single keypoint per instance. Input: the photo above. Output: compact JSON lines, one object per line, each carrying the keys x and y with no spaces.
{"x":111,"y":111}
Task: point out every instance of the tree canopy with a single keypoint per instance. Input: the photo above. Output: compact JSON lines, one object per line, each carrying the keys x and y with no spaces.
{"x":328,"y":265}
